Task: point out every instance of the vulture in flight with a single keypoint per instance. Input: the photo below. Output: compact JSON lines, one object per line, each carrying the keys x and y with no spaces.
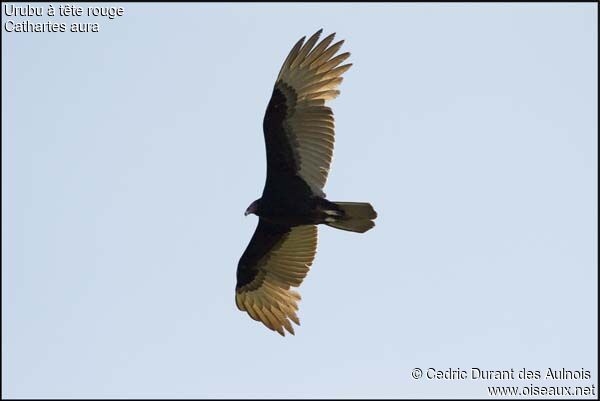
{"x":299,"y":137}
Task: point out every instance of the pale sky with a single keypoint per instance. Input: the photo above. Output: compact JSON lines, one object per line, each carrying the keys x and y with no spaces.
{"x":129,"y":156}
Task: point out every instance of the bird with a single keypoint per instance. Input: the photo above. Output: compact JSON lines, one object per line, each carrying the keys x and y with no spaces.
{"x":299,"y":138}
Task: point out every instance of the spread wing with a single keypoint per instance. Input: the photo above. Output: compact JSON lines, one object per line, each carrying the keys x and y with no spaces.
{"x":277,"y":258}
{"x":298,"y":127}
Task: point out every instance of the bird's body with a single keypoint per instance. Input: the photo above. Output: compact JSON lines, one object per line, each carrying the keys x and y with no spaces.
{"x":299,"y":138}
{"x":297,"y":206}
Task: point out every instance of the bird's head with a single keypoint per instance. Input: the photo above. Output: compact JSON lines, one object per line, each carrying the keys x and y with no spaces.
{"x":253,"y":208}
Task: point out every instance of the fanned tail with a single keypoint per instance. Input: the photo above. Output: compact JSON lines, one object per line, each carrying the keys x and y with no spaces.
{"x":356,"y":216}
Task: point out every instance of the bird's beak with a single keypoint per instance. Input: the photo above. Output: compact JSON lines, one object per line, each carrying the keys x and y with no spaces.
{"x":246,"y":213}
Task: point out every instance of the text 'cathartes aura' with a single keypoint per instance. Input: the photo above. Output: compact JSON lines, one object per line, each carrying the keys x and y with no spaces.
{"x":299,"y":137}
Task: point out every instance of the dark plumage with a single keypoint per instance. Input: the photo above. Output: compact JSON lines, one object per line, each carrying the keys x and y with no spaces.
{"x":299,"y":138}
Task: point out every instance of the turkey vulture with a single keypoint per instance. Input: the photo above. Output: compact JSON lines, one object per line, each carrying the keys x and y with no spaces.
{"x":299,"y":138}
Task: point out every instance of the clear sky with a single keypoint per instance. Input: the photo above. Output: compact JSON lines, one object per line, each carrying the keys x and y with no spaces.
{"x":129,"y":156}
